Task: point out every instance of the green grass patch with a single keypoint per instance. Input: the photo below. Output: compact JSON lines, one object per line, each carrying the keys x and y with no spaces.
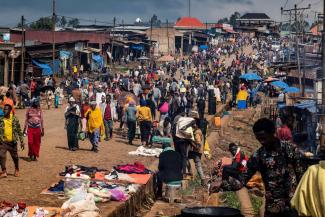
{"x":232,"y":201}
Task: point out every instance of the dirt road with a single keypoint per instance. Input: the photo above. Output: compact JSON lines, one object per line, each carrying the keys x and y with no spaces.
{"x":36,"y":176}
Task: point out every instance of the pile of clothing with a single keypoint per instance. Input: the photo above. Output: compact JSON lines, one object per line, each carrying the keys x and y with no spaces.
{"x":147,"y":152}
{"x":13,"y":210}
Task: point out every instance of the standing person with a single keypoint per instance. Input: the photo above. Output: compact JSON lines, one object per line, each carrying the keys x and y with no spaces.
{"x":84,"y":108}
{"x":197,"y":150}
{"x":72,"y":123}
{"x":131,"y":119}
{"x":145,"y":119}
{"x":151,"y":104}
{"x":201,"y":106}
{"x":35,"y":129}
{"x":95,"y":125}
{"x":278,"y":163}
{"x":10,"y":133}
{"x":242,"y":97}
{"x":109,"y":115}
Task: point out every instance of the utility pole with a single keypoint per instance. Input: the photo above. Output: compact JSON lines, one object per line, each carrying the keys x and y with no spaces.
{"x":189,"y":8}
{"x":296,"y":10}
{"x":167,"y":37}
{"x":53,"y":33}
{"x":322,"y":141}
{"x":22,"y":67}
{"x":151,"y":50}
{"x":113,"y":38}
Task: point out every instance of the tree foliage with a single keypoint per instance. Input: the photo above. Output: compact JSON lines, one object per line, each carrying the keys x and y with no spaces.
{"x":73,"y":22}
{"x":44,"y":23}
{"x":63,"y":22}
{"x":231,"y":20}
{"x":155,"y":21}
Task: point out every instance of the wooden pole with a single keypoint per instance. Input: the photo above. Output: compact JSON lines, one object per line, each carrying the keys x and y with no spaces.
{"x":12,"y":69}
{"x":53,"y":33}
{"x":22,"y":66}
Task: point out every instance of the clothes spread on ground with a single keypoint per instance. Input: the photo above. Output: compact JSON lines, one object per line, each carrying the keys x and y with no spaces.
{"x":8,"y":209}
{"x":137,"y":168}
{"x":90,"y":171}
{"x":148,"y":152}
{"x":309,"y":198}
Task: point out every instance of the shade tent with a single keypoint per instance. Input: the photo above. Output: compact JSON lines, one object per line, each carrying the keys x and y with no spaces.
{"x":291,"y":90}
{"x":280,"y":84}
{"x":310,"y":105}
{"x":251,"y":77}
{"x":46,"y":68}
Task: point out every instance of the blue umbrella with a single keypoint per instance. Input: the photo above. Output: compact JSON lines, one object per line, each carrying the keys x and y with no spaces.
{"x":280,"y":84}
{"x":251,"y":77}
{"x":291,"y":90}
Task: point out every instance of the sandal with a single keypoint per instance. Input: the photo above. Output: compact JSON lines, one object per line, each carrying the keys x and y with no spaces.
{"x":16,"y":174}
{"x":3,"y":174}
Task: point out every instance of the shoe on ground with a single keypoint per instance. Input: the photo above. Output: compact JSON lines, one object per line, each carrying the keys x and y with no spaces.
{"x":3,"y":174}
{"x":95,"y":150}
{"x":16,"y":174}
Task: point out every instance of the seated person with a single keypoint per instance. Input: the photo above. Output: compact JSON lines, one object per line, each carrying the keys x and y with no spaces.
{"x":165,"y":127}
{"x":170,"y":168}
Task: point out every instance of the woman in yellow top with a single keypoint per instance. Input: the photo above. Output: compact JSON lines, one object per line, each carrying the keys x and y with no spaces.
{"x":95,"y":124}
{"x":144,"y":117}
{"x":242,"y":97}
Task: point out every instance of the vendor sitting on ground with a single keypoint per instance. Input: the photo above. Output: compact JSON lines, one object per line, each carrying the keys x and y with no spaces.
{"x":170,"y":168}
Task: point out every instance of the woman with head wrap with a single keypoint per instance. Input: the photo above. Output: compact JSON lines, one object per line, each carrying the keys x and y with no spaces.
{"x":35,"y":129}
{"x":144,"y":117}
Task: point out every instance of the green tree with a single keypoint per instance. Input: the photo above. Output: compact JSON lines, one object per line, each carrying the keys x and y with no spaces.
{"x":63,"y":22}
{"x":155,"y":21}
{"x":233,"y":18}
{"x":44,"y":23}
{"x":223,"y":20}
{"x":73,"y":22}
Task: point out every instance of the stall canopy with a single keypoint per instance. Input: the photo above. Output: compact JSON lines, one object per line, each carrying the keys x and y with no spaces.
{"x":137,"y":47}
{"x":65,"y":54}
{"x":98,"y":62}
{"x":46,"y":68}
{"x":310,"y":105}
{"x":204,"y":47}
{"x":280,"y":84}
{"x":291,"y":90}
{"x":251,"y":77}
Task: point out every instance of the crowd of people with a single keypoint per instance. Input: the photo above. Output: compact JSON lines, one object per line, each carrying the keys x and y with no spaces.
{"x":168,"y":100}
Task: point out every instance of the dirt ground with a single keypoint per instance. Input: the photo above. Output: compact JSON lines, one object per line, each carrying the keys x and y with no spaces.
{"x":36,"y":176}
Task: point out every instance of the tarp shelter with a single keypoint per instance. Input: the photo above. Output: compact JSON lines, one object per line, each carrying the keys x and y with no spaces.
{"x":204,"y":47}
{"x":65,"y":54}
{"x":98,"y":62}
{"x":310,"y":105}
{"x":291,"y":90}
{"x":46,"y":68}
{"x":280,"y":84}
{"x":138,"y":47}
{"x":251,"y":77}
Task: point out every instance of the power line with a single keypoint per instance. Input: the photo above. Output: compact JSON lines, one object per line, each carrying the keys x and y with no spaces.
{"x":86,"y":20}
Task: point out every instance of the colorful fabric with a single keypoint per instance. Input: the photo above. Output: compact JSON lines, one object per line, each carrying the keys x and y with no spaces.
{"x":242,"y":95}
{"x":16,"y":130}
{"x":8,"y":137}
{"x":144,"y":113}
{"x":95,"y":120}
{"x":34,"y":118}
{"x":280,"y":171}
{"x":137,"y":168}
{"x":284,"y":133}
{"x":309,"y":198}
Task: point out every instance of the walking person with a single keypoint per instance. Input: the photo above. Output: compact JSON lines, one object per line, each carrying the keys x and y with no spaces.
{"x":95,"y":125}
{"x":34,"y":127}
{"x":72,"y":124}
{"x":144,"y":117}
{"x":10,"y":133}
{"x":109,"y":115}
{"x":131,"y":120}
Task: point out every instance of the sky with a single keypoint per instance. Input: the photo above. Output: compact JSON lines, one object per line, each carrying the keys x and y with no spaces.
{"x":128,"y":10}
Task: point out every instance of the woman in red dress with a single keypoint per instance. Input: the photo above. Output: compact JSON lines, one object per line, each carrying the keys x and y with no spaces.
{"x":35,"y":129}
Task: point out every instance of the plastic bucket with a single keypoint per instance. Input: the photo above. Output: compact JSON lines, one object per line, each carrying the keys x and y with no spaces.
{"x":211,"y":212}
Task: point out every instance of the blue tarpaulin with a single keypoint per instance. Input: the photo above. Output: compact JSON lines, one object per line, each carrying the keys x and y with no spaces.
{"x":251,"y":77}
{"x":204,"y":47}
{"x":46,"y":68}
{"x":310,"y":105}
{"x":98,"y":62}
{"x":291,"y":90}
{"x":280,"y":84}
{"x":137,"y":47}
{"x":65,"y":54}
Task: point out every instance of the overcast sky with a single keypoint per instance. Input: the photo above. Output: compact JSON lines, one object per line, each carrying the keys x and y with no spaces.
{"x":129,"y":10}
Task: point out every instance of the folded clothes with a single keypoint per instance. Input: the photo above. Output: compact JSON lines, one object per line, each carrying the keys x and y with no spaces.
{"x":90,"y":171}
{"x":130,"y":178}
{"x":59,"y":187}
